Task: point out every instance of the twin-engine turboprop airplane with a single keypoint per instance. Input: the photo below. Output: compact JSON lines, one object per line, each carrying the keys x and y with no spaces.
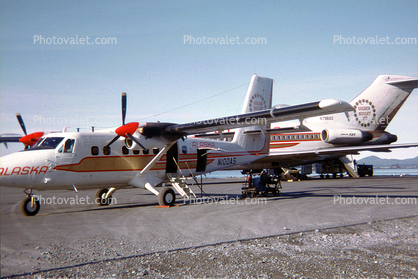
{"x":331,"y":137}
{"x":147,"y":154}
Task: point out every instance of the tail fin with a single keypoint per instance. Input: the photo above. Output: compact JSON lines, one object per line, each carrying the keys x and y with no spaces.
{"x":376,"y":106}
{"x":259,"y":97}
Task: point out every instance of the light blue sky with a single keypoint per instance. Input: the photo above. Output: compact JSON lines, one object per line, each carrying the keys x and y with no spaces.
{"x":151,"y":62}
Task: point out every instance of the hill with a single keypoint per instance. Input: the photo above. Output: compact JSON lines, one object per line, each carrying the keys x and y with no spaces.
{"x":388,"y":163}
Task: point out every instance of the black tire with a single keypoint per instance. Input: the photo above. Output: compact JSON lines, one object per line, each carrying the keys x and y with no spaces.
{"x":167,"y":196}
{"x":27,"y":208}
{"x":276,"y":192}
{"x":100,"y":200}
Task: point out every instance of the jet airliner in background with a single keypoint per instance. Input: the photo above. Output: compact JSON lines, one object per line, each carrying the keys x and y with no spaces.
{"x":324,"y":139}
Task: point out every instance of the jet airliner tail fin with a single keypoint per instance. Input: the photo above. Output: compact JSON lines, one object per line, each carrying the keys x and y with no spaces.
{"x":376,"y":106}
{"x":259,"y":97}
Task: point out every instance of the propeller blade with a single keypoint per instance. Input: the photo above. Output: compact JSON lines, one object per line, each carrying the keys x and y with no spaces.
{"x":135,"y":140}
{"x":123,"y":108}
{"x":22,"y":124}
{"x":113,"y":140}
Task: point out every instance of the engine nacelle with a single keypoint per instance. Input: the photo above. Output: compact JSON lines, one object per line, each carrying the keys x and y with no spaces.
{"x":345,"y":136}
{"x":130,"y":144}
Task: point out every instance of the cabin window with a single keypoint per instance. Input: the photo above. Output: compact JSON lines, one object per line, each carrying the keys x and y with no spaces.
{"x":136,"y":151}
{"x":106,"y":150}
{"x":279,"y":137}
{"x":184,"y":149}
{"x":155,"y":150}
{"x":94,"y":150}
{"x":145,"y":151}
{"x":125,"y":151}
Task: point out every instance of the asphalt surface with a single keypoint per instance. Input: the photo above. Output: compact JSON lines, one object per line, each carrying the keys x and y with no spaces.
{"x":69,"y":237}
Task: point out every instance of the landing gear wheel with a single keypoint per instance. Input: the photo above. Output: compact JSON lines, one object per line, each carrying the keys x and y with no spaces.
{"x":29,"y":209}
{"x":100,"y":197}
{"x":276,"y":192}
{"x":167,"y":196}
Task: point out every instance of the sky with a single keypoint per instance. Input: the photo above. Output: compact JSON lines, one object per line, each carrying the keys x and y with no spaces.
{"x":169,"y":58}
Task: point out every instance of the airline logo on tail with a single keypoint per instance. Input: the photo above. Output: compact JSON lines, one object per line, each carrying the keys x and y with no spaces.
{"x":257,"y":102}
{"x":365,"y":113}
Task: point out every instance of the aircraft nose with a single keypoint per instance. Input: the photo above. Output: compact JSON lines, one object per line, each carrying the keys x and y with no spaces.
{"x":19,"y":169}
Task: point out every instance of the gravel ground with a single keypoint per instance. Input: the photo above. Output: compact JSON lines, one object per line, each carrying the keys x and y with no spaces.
{"x":383,"y":249}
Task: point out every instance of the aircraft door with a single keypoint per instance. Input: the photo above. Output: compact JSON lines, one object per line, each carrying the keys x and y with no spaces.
{"x":172,"y":159}
{"x":65,"y":153}
{"x":202,"y":159}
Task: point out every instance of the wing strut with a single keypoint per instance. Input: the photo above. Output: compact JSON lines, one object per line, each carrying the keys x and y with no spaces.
{"x":155,"y":159}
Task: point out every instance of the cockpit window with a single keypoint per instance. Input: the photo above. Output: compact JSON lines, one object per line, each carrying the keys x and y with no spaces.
{"x":48,"y":143}
{"x":67,"y":147}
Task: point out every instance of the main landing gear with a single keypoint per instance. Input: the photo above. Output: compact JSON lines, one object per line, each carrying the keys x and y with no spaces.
{"x":104,"y":196}
{"x":30,"y":206}
{"x":167,"y":196}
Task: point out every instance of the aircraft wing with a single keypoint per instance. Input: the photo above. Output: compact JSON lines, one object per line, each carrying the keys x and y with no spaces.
{"x":275,"y":114}
{"x":295,"y":158}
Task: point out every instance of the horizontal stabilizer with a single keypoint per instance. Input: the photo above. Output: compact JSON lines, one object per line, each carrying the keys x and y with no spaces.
{"x":404,"y":83}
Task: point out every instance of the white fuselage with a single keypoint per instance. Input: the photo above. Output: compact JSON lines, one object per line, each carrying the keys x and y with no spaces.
{"x":87,"y":165}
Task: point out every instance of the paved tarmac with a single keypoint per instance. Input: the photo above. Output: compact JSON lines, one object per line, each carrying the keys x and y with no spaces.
{"x":75,"y":234}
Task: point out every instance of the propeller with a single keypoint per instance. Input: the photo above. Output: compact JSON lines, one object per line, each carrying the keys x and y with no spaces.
{"x":126,"y":130}
{"x":31,"y":139}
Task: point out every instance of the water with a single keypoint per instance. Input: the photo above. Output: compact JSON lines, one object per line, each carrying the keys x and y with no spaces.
{"x":396,"y":172}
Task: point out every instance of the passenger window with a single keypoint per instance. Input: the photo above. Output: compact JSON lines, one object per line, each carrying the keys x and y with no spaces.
{"x":155,"y":150}
{"x":136,"y":151}
{"x":94,"y":150}
{"x":125,"y":151}
{"x":106,"y":150}
{"x":145,"y":151}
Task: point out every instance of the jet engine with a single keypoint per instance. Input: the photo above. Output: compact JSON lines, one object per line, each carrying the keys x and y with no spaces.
{"x":338,"y":136}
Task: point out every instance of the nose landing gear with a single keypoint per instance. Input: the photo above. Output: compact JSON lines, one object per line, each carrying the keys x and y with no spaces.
{"x":30,"y":206}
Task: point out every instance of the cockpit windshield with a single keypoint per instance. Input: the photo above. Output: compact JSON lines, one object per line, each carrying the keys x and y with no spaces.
{"x":48,"y":143}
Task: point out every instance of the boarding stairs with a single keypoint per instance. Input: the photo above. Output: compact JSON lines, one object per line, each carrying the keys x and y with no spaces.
{"x":179,"y":183}
{"x":349,"y":166}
